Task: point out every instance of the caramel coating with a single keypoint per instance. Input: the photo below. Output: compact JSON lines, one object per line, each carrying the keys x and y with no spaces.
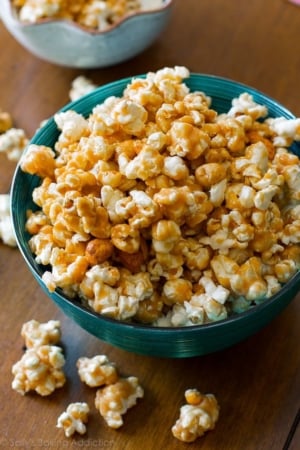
{"x":156,"y":195}
{"x":199,"y":415}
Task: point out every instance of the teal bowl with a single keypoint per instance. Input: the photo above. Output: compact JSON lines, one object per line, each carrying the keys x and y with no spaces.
{"x":67,"y":43}
{"x":175,"y":342}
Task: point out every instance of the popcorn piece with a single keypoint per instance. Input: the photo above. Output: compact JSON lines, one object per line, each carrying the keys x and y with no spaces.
{"x":13,"y":143}
{"x":5,"y":121}
{"x":175,"y":168}
{"x":187,"y":140}
{"x":40,"y":370}
{"x":245,"y":104}
{"x":32,"y":13}
{"x":165,"y":235}
{"x":248,"y":281}
{"x":292,"y":177}
{"x":255,"y":157}
{"x":182,"y":316}
{"x":224,"y":268}
{"x":196,"y":256}
{"x":291,"y":231}
{"x":72,"y":125}
{"x":97,"y":371}
{"x":74,"y":418}
{"x":286,"y":130}
{"x":6,"y":227}
{"x":37,"y":334}
{"x":69,"y":269}
{"x":177,"y":291}
{"x":199,"y":415}
{"x":149,"y":309}
{"x":284,"y":270}
{"x":126,"y":238}
{"x":264,"y":197}
{"x":233,"y":133}
{"x":211,"y":310}
{"x":114,"y":400}
{"x":130,"y":116}
{"x":38,"y":160}
{"x":147,"y":164}
{"x":218,"y":293}
{"x":210,"y":174}
{"x":169,"y":82}
{"x":115,"y":293}
{"x":98,"y":251}
{"x":81,"y":86}
{"x":97,"y":287}
{"x":41,"y":244}
{"x":217,"y":193}
{"x":181,"y":204}
{"x":139,"y":208}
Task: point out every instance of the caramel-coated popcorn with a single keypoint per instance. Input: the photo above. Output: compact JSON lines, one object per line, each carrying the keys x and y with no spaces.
{"x":36,"y":334}
{"x":95,"y":14}
{"x":74,"y":418}
{"x":199,"y":415}
{"x":39,"y":370}
{"x":13,"y":143}
{"x":157,"y":209}
{"x":97,"y":371}
{"x":114,"y":400}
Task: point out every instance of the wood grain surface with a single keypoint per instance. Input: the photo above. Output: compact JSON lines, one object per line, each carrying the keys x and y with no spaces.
{"x":257,"y":382}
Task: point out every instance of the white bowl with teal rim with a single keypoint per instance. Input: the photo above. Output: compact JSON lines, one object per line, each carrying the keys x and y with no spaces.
{"x":66,"y":43}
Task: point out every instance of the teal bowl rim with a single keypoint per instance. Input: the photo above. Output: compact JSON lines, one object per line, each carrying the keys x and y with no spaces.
{"x":185,"y":337}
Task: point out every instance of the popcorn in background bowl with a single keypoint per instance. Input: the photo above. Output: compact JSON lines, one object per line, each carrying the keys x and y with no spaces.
{"x":94,"y":14}
{"x":155,"y":209}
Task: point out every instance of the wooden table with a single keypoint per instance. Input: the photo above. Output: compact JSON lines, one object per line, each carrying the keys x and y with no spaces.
{"x":257,"y":382}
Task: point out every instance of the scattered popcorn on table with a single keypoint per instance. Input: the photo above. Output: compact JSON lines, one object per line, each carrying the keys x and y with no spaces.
{"x":13,"y":143}
{"x":39,"y":370}
{"x":74,"y":418}
{"x":114,"y":400}
{"x":94,"y":14}
{"x":97,"y":371}
{"x":81,"y":85}
{"x":37,"y":334}
{"x":199,"y":415}
{"x":7,"y":234}
{"x":157,"y":209}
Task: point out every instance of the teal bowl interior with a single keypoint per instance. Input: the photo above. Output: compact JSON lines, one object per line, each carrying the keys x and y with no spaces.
{"x":176,"y":342}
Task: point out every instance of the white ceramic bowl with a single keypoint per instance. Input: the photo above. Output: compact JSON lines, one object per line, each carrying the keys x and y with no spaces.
{"x":66,"y":43}
{"x":172,"y":342}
